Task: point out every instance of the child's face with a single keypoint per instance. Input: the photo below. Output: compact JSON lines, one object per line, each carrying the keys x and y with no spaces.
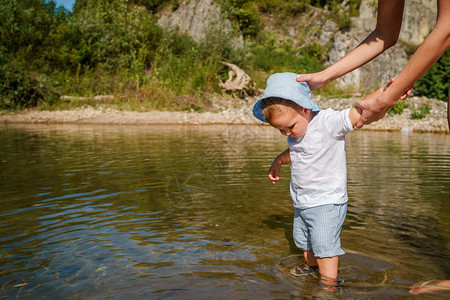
{"x":293,"y":122}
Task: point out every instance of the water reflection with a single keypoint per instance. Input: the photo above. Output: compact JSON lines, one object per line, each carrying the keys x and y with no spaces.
{"x":187,"y":212}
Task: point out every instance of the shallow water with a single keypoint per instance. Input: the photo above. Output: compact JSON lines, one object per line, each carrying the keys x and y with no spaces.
{"x":180,"y":212}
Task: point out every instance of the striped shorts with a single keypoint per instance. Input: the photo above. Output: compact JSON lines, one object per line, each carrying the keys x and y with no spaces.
{"x":317,"y":229}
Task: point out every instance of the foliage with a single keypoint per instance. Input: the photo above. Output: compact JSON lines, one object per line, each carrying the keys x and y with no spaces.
{"x":184,"y":73}
{"x":398,"y":108}
{"x":245,"y":14}
{"x":27,"y":33}
{"x":151,"y":5}
{"x":288,"y":7}
{"x":115,"y":47}
{"x":21,"y":88}
{"x":25,"y":24}
{"x":422,"y":112}
{"x":273,"y":54}
{"x":113,"y":36}
{"x":343,"y":20}
{"x":435,"y":83}
{"x":314,"y":50}
{"x":223,"y":43}
{"x":278,"y":59}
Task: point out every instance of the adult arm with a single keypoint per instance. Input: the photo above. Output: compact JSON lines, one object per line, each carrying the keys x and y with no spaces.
{"x":432,"y":48}
{"x":385,"y":35}
{"x":274,"y":171}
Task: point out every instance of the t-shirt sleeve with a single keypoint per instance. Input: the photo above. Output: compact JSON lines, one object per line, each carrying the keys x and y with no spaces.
{"x":338,"y":123}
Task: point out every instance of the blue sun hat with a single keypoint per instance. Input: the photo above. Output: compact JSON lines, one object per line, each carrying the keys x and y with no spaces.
{"x":284,"y":85}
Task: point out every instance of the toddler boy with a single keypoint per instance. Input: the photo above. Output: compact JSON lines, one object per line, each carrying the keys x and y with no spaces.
{"x":318,"y":186}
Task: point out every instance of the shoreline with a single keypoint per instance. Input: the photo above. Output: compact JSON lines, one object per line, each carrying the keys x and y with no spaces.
{"x":435,"y":121}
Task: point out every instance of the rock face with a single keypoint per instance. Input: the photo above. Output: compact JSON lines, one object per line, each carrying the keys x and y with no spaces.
{"x":194,"y":17}
{"x":419,"y":18}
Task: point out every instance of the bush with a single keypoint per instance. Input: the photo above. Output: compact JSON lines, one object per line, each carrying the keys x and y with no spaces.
{"x":398,"y":108}
{"x":422,"y":112}
{"x":434,"y":84}
{"x":271,"y":61}
{"x":112,"y":37}
{"x":186,"y":72}
{"x":21,"y":88}
{"x":314,"y":50}
{"x":247,"y":16}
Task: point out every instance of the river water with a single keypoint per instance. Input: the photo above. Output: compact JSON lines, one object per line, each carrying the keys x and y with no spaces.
{"x":187,"y":212}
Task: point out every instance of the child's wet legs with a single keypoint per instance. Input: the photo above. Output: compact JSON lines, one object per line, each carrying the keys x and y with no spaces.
{"x":328,"y":267}
{"x":310,"y":258}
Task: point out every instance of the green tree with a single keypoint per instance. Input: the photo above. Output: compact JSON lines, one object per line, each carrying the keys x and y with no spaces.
{"x":26,"y":43}
{"x":113,"y":36}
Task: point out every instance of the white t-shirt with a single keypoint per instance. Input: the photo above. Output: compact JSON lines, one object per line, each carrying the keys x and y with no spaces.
{"x":318,"y":164}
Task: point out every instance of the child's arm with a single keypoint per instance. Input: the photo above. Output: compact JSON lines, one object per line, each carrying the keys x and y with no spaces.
{"x":274,"y":171}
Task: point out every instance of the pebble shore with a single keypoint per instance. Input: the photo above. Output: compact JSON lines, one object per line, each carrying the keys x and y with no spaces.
{"x":435,"y":121}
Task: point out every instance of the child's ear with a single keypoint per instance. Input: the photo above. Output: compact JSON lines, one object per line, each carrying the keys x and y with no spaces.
{"x":307,"y":111}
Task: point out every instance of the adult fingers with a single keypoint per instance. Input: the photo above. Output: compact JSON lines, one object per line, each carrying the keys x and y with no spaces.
{"x":363,"y":119}
{"x":303,"y":77}
{"x":406,"y":94}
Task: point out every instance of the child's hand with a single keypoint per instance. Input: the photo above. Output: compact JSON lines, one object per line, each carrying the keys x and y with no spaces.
{"x":274,"y":171}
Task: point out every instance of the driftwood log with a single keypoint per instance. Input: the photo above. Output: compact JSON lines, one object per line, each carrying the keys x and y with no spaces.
{"x":238,"y":80}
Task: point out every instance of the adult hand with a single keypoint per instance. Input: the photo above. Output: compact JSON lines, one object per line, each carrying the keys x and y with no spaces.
{"x":314,"y":80}
{"x":371,"y":106}
{"x":372,"y":110}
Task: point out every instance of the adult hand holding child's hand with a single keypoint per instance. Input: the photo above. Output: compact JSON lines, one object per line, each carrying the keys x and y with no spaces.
{"x":373,"y":108}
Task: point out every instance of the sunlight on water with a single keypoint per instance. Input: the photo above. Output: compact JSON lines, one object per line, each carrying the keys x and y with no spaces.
{"x":188,"y":212}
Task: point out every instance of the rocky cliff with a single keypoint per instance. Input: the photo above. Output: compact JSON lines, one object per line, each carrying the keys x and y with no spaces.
{"x":196,"y":16}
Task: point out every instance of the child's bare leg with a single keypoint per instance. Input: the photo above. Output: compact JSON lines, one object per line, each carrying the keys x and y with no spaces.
{"x":328,"y":267}
{"x":310,"y":258}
